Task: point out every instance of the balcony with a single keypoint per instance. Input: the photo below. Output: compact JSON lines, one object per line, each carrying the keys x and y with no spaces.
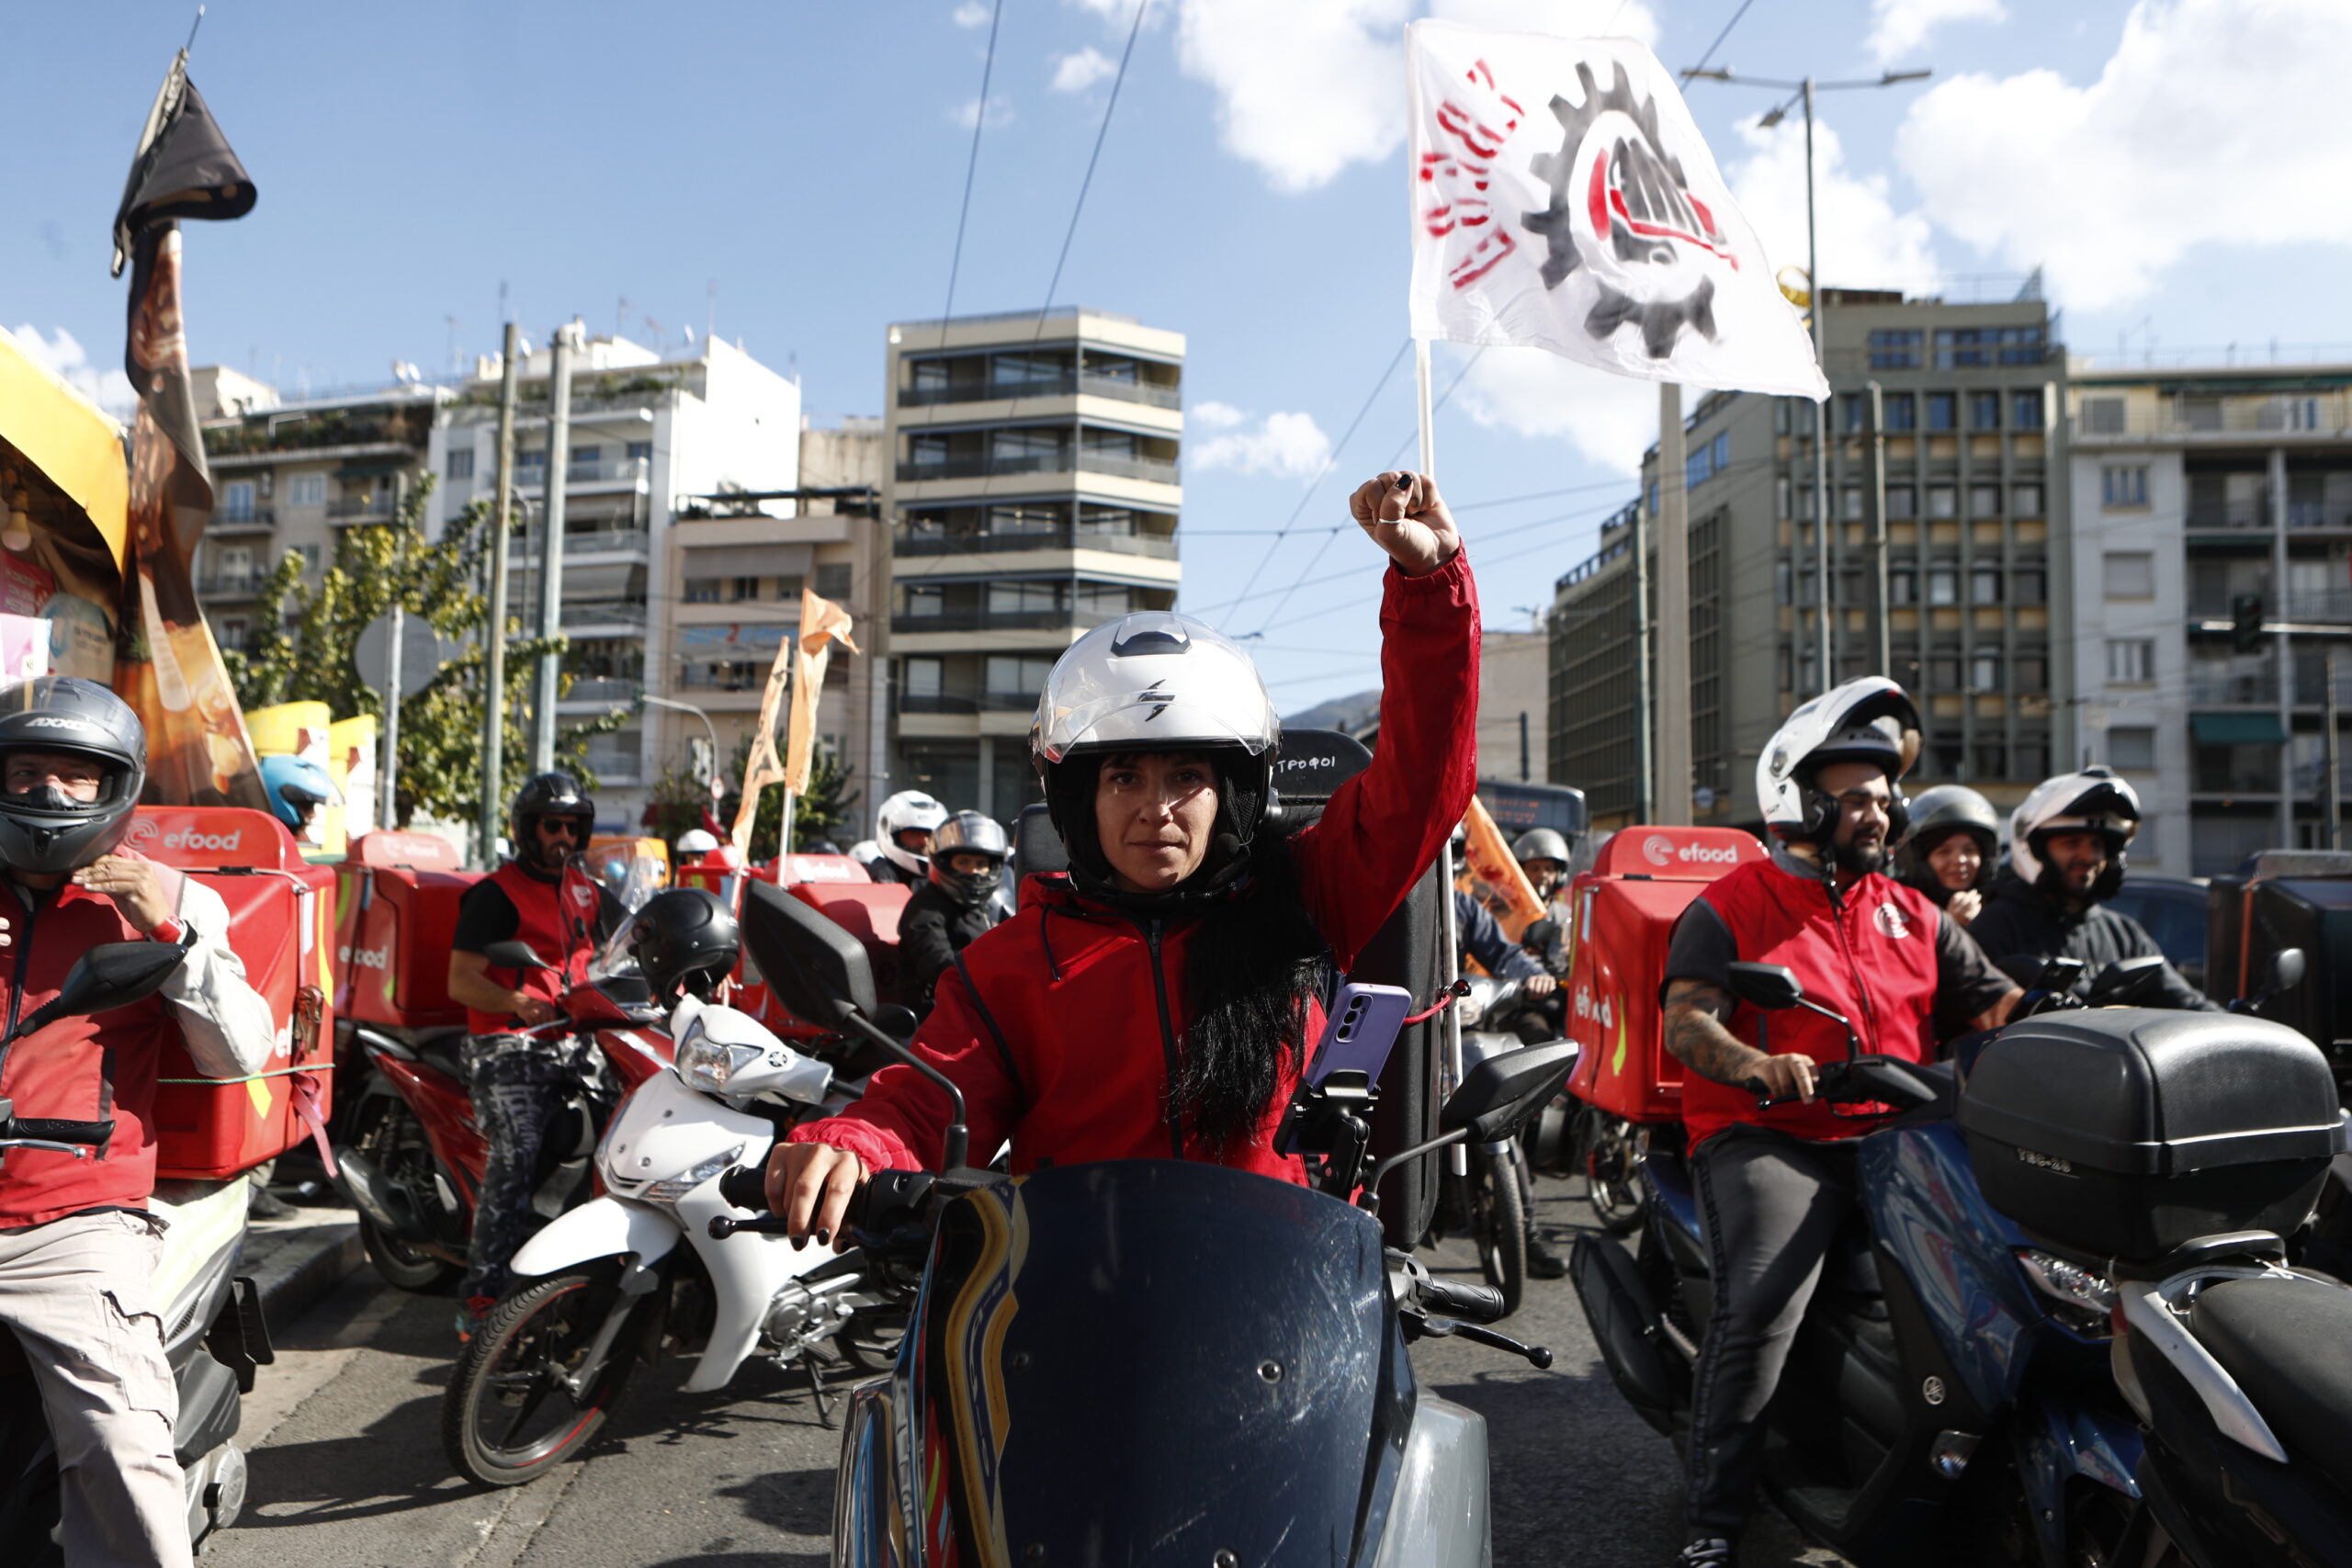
{"x":2235,"y":690}
{"x":1001,"y":620}
{"x":1161,"y":546}
{"x":345,"y":511}
{"x":579,"y":613}
{"x":2292,"y":417}
{"x":1160,"y":470}
{"x":1086,"y":384}
{"x":2256,"y":513}
{"x":967,"y":702}
{"x":532,"y":477}
{"x":251,"y":520}
{"x":637,"y":542}
{"x":231,"y":585}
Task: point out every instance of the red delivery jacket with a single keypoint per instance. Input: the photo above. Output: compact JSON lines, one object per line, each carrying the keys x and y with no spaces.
{"x":544,"y":925}
{"x":1879,"y":952}
{"x":102,"y":1065}
{"x":1090,"y":1000}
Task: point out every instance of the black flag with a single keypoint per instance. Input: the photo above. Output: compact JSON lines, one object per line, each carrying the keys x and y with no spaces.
{"x":184,"y":168}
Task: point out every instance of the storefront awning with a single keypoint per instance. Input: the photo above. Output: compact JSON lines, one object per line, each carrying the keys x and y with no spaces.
{"x":2237,"y":730}
{"x":77,"y":447}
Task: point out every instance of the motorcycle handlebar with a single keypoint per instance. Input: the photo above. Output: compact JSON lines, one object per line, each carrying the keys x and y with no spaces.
{"x":746,"y":1187}
{"x":1473,"y":1304}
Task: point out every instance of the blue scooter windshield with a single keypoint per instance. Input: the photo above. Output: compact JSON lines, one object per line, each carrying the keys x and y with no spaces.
{"x":1149,"y":1361}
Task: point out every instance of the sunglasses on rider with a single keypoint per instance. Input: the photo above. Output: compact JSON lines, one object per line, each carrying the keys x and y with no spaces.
{"x":570,"y":827}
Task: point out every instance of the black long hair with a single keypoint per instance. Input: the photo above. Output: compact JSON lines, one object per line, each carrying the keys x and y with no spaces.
{"x":1254,"y":960}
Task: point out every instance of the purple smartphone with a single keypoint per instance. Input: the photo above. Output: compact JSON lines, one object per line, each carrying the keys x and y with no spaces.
{"x":1360,"y":1031}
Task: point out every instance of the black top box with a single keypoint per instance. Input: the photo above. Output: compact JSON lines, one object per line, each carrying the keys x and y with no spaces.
{"x":2122,"y":1132}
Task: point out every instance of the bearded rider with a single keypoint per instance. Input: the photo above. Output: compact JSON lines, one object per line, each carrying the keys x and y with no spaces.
{"x":2066,"y":847}
{"x":518,"y":1078}
{"x":1155,"y":1001}
{"x":78,"y":1248}
{"x":1775,"y":1185}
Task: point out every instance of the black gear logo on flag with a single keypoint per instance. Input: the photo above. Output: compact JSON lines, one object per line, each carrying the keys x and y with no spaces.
{"x":1621,"y":208}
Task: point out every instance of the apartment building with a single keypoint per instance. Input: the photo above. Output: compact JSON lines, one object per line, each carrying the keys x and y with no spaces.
{"x":647,"y":436}
{"x":2197,"y":492}
{"x":1976,"y":572}
{"x":1032,"y":493}
{"x":288,"y":476}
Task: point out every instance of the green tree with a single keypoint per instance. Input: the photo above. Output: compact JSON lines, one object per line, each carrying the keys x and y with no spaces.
{"x":679,"y":799}
{"x":306,"y":637}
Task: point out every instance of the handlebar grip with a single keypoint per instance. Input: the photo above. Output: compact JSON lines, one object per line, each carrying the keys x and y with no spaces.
{"x":95,"y":1133}
{"x":746,"y":1187}
{"x":1474,"y":1303}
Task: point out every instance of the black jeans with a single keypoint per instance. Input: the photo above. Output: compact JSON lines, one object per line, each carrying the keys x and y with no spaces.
{"x":518,"y":1086}
{"x":1770,"y":1205}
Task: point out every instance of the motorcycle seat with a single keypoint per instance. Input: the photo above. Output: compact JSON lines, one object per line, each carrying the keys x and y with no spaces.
{"x":444,"y":1052}
{"x":2284,"y":1342}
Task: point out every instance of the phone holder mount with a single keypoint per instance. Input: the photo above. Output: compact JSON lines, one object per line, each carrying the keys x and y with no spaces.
{"x":1328,"y":1125}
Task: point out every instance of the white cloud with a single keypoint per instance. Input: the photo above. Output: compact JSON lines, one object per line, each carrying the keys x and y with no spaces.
{"x":1307,"y":87}
{"x":2215,"y":121}
{"x":1287,"y":444}
{"x":1076,"y":72}
{"x":1609,"y":419}
{"x":1215,"y":415}
{"x":999,"y":111}
{"x":1900,"y":27}
{"x":1865,"y":242}
{"x":63,"y":355}
{"x":972,"y":14}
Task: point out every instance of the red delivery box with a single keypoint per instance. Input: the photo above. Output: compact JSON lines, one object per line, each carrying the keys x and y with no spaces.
{"x":1625,"y":907}
{"x":837,"y":887}
{"x":279,"y":925}
{"x":396,"y":910}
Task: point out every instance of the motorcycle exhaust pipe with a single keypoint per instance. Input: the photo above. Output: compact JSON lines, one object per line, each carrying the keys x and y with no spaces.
{"x":390,"y":1210}
{"x":1626,"y":1327}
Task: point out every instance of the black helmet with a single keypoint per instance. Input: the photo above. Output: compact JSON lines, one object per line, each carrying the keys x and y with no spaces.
{"x":970,"y":833}
{"x":684,"y":938}
{"x":45,"y":830}
{"x":1937,"y":815}
{"x":546,"y":794}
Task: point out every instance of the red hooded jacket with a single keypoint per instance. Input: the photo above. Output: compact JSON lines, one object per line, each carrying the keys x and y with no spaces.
{"x":1091,"y":1002}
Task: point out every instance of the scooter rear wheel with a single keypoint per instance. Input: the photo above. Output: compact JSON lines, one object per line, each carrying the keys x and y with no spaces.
{"x":391,"y":1137}
{"x":506,"y":1418}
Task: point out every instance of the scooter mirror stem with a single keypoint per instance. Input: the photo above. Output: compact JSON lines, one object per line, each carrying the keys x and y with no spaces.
{"x":1369,"y":1201}
{"x":954,"y":1144}
{"x":1852,"y":1047}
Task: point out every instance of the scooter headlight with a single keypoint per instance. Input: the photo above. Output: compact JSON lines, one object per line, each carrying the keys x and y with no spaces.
{"x":2081,"y":1298}
{"x":670,"y":1188}
{"x":707,"y":1064}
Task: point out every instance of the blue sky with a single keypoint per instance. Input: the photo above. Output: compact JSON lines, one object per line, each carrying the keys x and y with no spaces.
{"x":2175,"y":163}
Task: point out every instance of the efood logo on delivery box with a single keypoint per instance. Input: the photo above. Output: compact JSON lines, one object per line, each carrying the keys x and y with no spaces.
{"x":200,"y":837}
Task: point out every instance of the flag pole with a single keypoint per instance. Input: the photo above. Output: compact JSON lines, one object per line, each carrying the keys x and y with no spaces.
{"x":1670,"y":801}
{"x":1450,"y":965}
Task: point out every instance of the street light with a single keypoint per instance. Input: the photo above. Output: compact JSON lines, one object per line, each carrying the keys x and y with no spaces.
{"x":1817,"y":299}
{"x":649,"y":700}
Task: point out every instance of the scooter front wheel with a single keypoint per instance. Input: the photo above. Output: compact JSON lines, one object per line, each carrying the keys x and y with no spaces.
{"x":511,"y":1414}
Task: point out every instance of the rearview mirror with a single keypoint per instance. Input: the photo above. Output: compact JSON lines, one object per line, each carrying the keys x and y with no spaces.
{"x":2286,"y":968}
{"x":514,"y":954}
{"x":1771,"y":986}
{"x":2125,"y":981}
{"x":1540,"y":935}
{"x":1503,"y":1091}
{"x":818,"y":970}
{"x":112,"y":975}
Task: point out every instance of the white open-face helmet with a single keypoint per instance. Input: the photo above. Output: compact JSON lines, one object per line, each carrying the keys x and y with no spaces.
{"x":2093,"y":801}
{"x":1865,"y":720}
{"x":909,"y":810}
{"x":1153,"y":681}
{"x":698,"y":841}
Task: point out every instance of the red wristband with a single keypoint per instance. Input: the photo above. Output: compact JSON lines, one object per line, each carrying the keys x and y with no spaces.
{"x":168,"y":930}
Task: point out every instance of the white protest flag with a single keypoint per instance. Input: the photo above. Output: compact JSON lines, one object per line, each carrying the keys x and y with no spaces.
{"x":1564,"y":199}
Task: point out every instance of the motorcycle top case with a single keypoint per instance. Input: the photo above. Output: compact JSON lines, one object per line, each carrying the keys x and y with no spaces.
{"x":396,"y":909}
{"x":207,"y":1129}
{"x":837,"y":887}
{"x":1624,"y":909}
{"x":2123,"y":1133}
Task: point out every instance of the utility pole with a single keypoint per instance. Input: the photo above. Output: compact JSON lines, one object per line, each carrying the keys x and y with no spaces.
{"x":1817,"y":301}
{"x":1671,"y":797}
{"x":551,"y":670}
{"x":1880,"y":607}
{"x":493,"y":738}
{"x":2334,"y":759}
{"x":1644,"y":800}
{"x":389,"y":816}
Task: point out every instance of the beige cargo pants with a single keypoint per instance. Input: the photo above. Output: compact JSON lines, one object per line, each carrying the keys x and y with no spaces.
{"x":77,"y":1292}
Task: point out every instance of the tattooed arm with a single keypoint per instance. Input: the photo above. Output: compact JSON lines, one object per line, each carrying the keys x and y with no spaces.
{"x":1695,"y":1034}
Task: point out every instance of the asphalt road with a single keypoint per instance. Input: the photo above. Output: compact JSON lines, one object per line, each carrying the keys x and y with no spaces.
{"x":347,"y":1470}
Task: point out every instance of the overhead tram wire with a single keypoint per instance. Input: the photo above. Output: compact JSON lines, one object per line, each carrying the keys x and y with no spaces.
{"x":971,"y":167}
{"x":1705,"y":58}
{"x":1100,"y":134}
{"x":1456,"y":505}
{"x":1329,"y":462}
{"x":1317,"y":558}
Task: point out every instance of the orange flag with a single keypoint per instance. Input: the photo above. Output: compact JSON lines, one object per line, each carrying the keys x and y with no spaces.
{"x":822,"y":624}
{"x":1492,"y":861}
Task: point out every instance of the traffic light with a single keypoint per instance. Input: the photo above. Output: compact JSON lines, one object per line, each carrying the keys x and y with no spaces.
{"x":2246,"y":622}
